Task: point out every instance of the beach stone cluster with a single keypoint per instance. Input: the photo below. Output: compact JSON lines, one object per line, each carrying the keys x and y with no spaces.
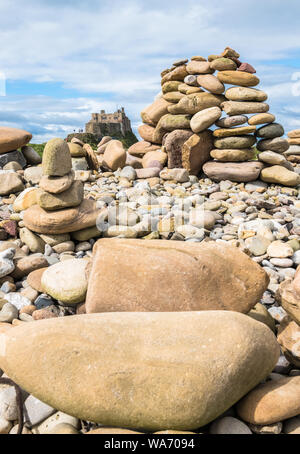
{"x":182,"y":318}
{"x":186,"y":128}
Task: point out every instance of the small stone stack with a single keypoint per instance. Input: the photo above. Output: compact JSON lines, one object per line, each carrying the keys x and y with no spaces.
{"x":293,"y":153}
{"x":175,"y":128}
{"x":60,"y":206}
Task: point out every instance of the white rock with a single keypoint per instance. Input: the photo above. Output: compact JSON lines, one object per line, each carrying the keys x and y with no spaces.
{"x":17,"y":300}
{"x":8,"y":404}
{"x":51,"y":422}
{"x":6,"y":262}
{"x":36,"y":411}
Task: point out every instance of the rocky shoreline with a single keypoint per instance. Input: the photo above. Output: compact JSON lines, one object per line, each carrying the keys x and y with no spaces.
{"x":139,"y":298}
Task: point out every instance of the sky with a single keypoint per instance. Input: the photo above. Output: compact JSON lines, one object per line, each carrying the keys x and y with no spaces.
{"x":62,"y":60}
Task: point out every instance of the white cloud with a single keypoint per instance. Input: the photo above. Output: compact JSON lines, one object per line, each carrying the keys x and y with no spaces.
{"x":118,"y":49}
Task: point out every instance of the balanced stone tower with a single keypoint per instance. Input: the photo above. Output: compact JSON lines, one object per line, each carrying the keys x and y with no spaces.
{"x":60,"y":207}
{"x":193,"y":99}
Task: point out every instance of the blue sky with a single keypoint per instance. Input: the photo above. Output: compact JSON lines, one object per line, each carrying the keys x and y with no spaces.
{"x":64,"y":60}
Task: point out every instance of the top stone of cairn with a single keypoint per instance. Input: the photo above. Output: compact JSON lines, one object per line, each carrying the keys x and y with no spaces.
{"x":57,"y":160}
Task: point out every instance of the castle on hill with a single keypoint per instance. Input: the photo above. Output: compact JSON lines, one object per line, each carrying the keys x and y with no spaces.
{"x":103,"y":124}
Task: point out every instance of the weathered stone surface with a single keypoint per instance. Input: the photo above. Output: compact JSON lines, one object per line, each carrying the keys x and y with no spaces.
{"x":261,"y":119}
{"x":72,"y":197}
{"x":245,"y":94}
{"x":11,"y":139}
{"x":229,"y":122}
{"x":280,"y":175}
{"x":223,"y":64}
{"x":153,"y":361}
{"x":233,"y":171}
{"x":153,"y":113}
{"x":294,"y":134}
{"x":146,"y":132}
{"x":289,"y":339}
{"x":191,"y":104}
{"x":25,"y":200}
{"x":112,"y":431}
{"x":57,"y":160}
{"x":32,"y":157}
{"x":12,"y":156}
{"x":211,"y":83}
{"x":279,"y":145}
{"x":199,"y":67}
{"x":270,"y":157}
{"x":173,"y":97}
{"x":244,"y":107}
{"x":34,"y":242}
{"x":33,"y":175}
{"x":238,"y":78}
{"x":229,"y":426}
{"x":139,"y":149}
{"x":204,"y":119}
{"x":66,"y":281}
{"x":114,"y":156}
{"x":34,"y":279}
{"x":195,"y":152}
{"x":153,"y":156}
{"x":235,"y":142}
{"x":261,"y":314}
{"x":271,"y":402}
{"x":193,"y":290}
{"x":290,"y":301}
{"x":10,"y":183}
{"x":270,"y":131}
{"x":179,"y":73}
{"x":56,"y":185}
{"x":174,"y":145}
{"x":63,"y":221}
{"x":170,"y":123}
{"x":76,"y":150}
{"x":243,"y":130}
{"x":234,"y":155}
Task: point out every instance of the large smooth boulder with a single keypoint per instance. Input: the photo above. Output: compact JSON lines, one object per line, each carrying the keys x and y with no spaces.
{"x":57,"y":160}
{"x":142,"y":371}
{"x":171,"y":276}
{"x":139,"y":149}
{"x":11,"y":139}
{"x":62,"y":221}
{"x":241,"y":172}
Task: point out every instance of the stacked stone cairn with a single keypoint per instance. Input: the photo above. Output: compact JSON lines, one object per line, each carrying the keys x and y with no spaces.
{"x":293,"y":153}
{"x":194,"y":96}
{"x":58,"y":206}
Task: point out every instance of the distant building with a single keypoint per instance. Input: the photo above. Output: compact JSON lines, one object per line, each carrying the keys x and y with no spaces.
{"x":103,"y":124}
